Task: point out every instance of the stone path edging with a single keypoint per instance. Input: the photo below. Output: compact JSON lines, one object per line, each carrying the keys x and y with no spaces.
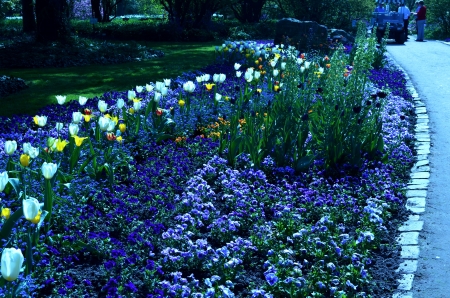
{"x":416,"y":193}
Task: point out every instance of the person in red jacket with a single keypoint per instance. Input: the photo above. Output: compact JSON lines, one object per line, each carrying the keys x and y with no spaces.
{"x":421,"y":18}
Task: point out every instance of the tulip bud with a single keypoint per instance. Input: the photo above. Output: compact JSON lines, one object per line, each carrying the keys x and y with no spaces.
{"x":73,"y":129}
{"x":12,"y":260}
{"x":137,"y":105}
{"x":148,"y":87}
{"x":103,"y":123}
{"x":24,"y":160}
{"x":30,"y":208}
{"x":59,"y":126}
{"x":82,"y":100}
{"x":6,"y":213}
{"x":49,"y":170}
{"x":61,"y":99}
{"x":77,"y":117}
{"x":102,"y":106}
{"x":167,"y":82}
{"x":120,"y":103}
{"x":132,"y":94}
{"x":122,"y":127}
{"x":139,"y":89}
{"x":10,"y":147}
{"x":3,"y":180}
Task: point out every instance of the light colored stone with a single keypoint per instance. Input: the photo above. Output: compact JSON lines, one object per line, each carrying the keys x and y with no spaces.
{"x":420,"y":175}
{"x":408,"y":238}
{"x":422,"y":145}
{"x":410,"y":252}
{"x":420,"y":169}
{"x":413,"y":217}
{"x":423,"y":151}
{"x":407,"y":266}
{"x":416,"y":193}
{"x":421,"y":110}
{"x":423,"y":162}
{"x":423,"y":138}
{"x":417,"y":186}
{"x":403,"y":295}
{"x":406,"y":282}
{"x":416,"y":210}
{"x":423,"y":182}
{"x":413,"y":225}
{"x":417,"y":202}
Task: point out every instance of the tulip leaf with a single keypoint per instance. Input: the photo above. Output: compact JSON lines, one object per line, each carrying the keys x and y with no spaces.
{"x":15,"y":183}
{"x":8,"y":225}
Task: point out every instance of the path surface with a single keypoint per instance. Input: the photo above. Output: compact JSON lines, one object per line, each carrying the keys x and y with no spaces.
{"x":428,"y":66}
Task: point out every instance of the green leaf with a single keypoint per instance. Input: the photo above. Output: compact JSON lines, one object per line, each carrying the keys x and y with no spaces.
{"x":8,"y":225}
{"x":15,"y":183}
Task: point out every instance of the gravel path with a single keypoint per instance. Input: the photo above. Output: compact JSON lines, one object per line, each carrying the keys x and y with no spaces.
{"x":427,"y":64}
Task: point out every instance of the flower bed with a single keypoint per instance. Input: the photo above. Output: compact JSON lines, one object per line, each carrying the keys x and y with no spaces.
{"x":275,"y":174}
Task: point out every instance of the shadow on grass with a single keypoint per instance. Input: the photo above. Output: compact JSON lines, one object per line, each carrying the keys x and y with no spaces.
{"x":94,"y":80}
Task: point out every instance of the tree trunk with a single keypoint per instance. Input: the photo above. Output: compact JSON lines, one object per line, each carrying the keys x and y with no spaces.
{"x":52,"y":23}
{"x":96,"y":9}
{"x":28,"y":18}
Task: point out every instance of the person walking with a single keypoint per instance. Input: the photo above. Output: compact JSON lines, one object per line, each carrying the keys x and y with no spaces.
{"x":421,"y":18}
{"x":404,"y":10}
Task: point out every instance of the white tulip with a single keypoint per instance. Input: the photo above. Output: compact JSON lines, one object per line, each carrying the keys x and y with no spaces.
{"x":218,"y":97}
{"x":167,"y":82}
{"x":275,"y":72}
{"x":159,"y":85}
{"x":112,"y":124}
{"x":307,"y":64}
{"x":189,"y":86}
{"x":10,"y":147}
{"x":137,"y":105}
{"x":222,"y":78}
{"x":164,"y":91}
{"x":12,"y":260}
{"x":148,"y":87}
{"x":283,"y":65}
{"x":273,"y":63}
{"x":40,"y":120}
{"x":3,"y":180}
{"x":139,"y":89}
{"x":61,"y":99}
{"x":206,"y":77}
{"x":59,"y":126}
{"x":73,"y":129}
{"x":302,"y":69}
{"x":30,"y":208}
{"x":216,"y":78}
{"x":49,"y":170}
{"x":82,"y":100}
{"x":157,"y":96}
{"x":103,"y":123}
{"x":102,"y":106}
{"x":236,"y":66}
{"x":120,"y":103}
{"x":131,"y":94}
{"x":238,"y":74}
{"x":321,"y":69}
{"x":248,"y":76}
{"x":257,"y":74}
{"x":33,"y":152}
{"x":199,"y":79}
{"x":77,"y":117}
{"x":26,"y":148}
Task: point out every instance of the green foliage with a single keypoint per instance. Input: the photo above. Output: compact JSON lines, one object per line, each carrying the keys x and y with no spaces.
{"x":379,"y":60}
{"x":331,"y":13}
{"x":438,"y":14}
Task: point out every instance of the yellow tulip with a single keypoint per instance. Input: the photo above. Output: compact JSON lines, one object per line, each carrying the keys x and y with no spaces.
{"x":181,"y":103}
{"x":37,"y":218}
{"x":119,"y":139}
{"x":131,"y":111}
{"x":122,"y":127}
{"x":24,"y":160}
{"x":78,"y":140}
{"x":209,"y":86}
{"x":87,"y":118}
{"x":60,"y":144}
{"x":6,"y":213}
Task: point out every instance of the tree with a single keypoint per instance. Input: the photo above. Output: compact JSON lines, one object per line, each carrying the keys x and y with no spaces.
{"x":332,"y":13}
{"x":28,"y":17}
{"x":438,"y":12}
{"x":191,"y":13}
{"x":248,"y":11}
{"x":52,"y":21}
{"x":103,"y":9}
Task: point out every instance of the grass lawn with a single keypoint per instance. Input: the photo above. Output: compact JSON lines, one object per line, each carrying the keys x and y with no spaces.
{"x":95,"y":80}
